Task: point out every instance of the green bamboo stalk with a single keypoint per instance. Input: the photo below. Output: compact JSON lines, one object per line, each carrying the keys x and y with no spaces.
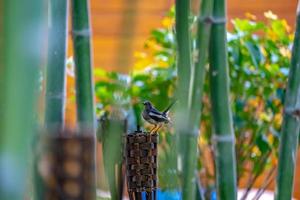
{"x":55,"y":78}
{"x":82,"y":56}
{"x":56,"y":63}
{"x":21,"y":47}
{"x":184,"y":64}
{"x":198,"y":77}
{"x":112,"y":155}
{"x":184,"y":61}
{"x":223,"y":136}
{"x":1,"y":59}
{"x":190,"y":88}
{"x":291,"y":126}
{"x":83,"y":70}
{"x":198,"y":74}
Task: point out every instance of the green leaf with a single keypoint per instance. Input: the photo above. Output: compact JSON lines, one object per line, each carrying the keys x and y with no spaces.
{"x":263,"y":143}
{"x":255,"y":53}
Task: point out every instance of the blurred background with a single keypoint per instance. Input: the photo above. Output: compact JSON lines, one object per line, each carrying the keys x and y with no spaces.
{"x":133,"y":59}
{"x":121,"y":28}
{"x":121,"y":32}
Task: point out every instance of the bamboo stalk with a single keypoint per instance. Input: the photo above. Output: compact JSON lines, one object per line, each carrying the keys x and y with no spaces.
{"x":23,"y":30}
{"x":83,"y":63}
{"x":55,"y":78}
{"x":254,"y":176}
{"x":83,"y":70}
{"x":266,"y":183}
{"x":223,"y":135}
{"x":112,"y":155}
{"x":198,"y":76}
{"x":198,"y":73}
{"x":291,"y":126}
{"x":1,"y":59}
{"x":56,"y":63}
{"x":184,"y":61}
{"x":190,"y":88}
{"x":184,"y":64}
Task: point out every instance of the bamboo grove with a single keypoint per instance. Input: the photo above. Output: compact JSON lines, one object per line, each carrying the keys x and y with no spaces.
{"x":200,"y":55}
{"x":211,"y":24}
{"x":211,"y":27}
{"x":291,"y":126}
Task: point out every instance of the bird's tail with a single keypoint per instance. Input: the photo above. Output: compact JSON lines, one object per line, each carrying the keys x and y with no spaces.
{"x":169,"y":107}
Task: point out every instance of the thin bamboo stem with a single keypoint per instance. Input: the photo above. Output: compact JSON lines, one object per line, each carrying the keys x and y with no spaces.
{"x":223,"y":136}
{"x":112,"y":154}
{"x":190,"y":88}
{"x":266,"y":183}
{"x":56,"y":63}
{"x":199,"y":71}
{"x":83,"y":69}
{"x":82,"y":55}
{"x":23,"y":30}
{"x":197,"y":80}
{"x":2,"y":84}
{"x":255,"y":176}
{"x":184,"y":64}
{"x":55,"y":77}
{"x":291,"y":126}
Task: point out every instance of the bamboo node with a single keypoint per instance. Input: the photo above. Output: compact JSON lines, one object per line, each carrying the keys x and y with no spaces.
{"x":292,"y":111}
{"x":223,"y":138}
{"x":83,"y":33}
{"x":54,"y":95}
{"x":212,"y":20}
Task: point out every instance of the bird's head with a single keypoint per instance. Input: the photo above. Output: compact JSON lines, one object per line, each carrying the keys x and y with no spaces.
{"x":147,"y":104}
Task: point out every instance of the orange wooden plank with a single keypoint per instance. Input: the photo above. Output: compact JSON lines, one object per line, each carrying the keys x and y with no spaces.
{"x":118,"y":5}
{"x":116,"y":25}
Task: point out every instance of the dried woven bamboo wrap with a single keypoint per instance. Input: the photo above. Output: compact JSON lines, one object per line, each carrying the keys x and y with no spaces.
{"x":65,"y":167}
{"x":141,"y":162}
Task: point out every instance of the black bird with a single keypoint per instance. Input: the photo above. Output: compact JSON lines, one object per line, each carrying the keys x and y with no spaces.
{"x":153,"y":116}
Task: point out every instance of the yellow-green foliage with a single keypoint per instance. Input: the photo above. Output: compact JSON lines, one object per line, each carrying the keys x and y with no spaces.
{"x":259,"y":57}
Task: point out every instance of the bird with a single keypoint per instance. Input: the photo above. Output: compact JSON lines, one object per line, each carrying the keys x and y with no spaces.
{"x":155,"y":117}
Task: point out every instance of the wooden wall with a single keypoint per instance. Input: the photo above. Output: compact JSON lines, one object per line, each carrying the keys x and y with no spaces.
{"x":121,"y":26}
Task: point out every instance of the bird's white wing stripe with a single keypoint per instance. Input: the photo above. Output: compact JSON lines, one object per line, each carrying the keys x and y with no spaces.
{"x":156,"y":115}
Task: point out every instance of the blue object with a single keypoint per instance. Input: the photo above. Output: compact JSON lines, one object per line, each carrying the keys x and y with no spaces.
{"x":213,"y":195}
{"x":165,"y":195}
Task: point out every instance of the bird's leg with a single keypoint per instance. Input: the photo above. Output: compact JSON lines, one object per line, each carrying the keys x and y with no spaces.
{"x":160,"y":126}
{"x":157,"y":128}
{"x":153,"y":129}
